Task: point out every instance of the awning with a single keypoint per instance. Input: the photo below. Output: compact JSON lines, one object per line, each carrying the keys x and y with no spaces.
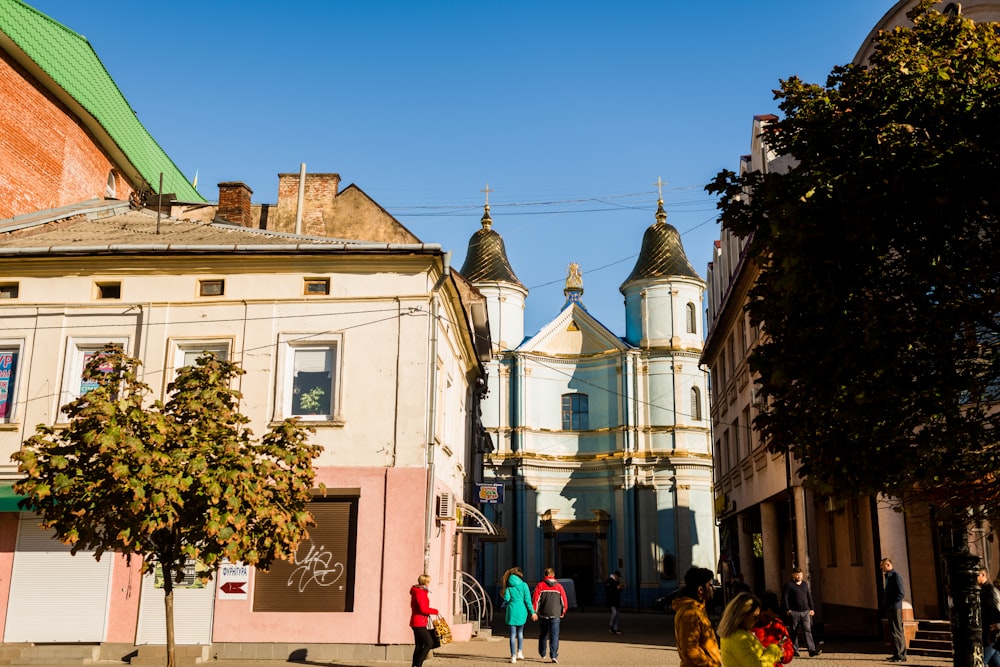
{"x":9,"y":499}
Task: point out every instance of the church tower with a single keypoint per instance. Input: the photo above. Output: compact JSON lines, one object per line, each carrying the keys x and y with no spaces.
{"x":663,"y":305}
{"x":487,"y":268}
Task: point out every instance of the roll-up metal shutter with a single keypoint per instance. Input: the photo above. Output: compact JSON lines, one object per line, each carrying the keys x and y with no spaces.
{"x":194,"y":606}
{"x":55,"y":596}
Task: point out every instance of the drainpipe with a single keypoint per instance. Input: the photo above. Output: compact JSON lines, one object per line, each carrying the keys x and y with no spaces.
{"x":432,"y":407}
{"x":302,"y":198}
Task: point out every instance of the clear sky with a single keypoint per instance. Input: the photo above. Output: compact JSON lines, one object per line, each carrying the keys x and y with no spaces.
{"x":569,"y":110}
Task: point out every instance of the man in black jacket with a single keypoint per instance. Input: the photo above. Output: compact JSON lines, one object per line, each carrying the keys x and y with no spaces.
{"x":989,"y":609}
{"x":798,"y":601}
{"x":892,"y":602}
{"x":613,"y":596}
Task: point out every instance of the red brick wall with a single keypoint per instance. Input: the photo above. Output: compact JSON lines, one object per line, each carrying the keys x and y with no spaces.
{"x":47,"y":158}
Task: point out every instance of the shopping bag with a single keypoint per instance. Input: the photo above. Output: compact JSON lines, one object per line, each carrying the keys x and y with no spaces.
{"x":442,"y":631}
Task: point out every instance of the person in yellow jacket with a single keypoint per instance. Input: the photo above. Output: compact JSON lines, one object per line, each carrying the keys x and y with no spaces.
{"x":740,"y":646}
{"x":696,"y":643}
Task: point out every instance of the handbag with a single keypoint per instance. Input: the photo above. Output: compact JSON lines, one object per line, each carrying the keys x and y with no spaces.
{"x":441,"y":631}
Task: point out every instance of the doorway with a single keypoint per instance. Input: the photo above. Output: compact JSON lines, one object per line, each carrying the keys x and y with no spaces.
{"x":577,"y":562}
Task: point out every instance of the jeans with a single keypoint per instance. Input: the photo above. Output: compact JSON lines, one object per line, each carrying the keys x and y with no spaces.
{"x":548,"y":632}
{"x":991,"y":657}
{"x":516,"y":638}
{"x":613,"y":623}
{"x":802,"y":619}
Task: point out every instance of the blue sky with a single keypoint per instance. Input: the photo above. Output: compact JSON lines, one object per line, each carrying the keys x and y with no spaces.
{"x":571,"y":111}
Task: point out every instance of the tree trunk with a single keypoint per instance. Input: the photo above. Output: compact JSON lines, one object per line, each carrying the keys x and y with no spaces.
{"x":168,"y":601}
{"x":966,"y":627}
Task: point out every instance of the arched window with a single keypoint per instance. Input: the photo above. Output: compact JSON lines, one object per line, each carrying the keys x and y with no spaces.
{"x":695,"y":404}
{"x":575,"y":412}
{"x":692,"y":318}
{"x":110,"y":190}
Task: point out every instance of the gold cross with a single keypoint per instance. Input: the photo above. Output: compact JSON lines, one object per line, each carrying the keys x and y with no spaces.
{"x":487,"y":191}
{"x":659,"y":186}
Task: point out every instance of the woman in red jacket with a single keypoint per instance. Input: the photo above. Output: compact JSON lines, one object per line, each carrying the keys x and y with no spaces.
{"x":420,"y":613}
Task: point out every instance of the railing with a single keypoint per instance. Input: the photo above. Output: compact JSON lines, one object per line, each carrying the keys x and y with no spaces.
{"x":476,"y":604}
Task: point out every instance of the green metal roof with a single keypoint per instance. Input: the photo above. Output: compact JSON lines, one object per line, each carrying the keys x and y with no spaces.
{"x":71,"y":62}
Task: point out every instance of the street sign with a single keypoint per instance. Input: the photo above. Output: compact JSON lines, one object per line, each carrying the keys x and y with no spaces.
{"x":233,"y":581}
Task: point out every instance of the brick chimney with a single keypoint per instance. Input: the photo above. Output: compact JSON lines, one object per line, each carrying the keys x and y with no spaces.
{"x":234,"y":203}
{"x":318,"y":202}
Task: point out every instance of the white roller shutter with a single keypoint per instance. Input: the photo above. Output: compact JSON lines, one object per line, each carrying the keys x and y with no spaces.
{"x":54,"y":596}
{"x":193,"y":609}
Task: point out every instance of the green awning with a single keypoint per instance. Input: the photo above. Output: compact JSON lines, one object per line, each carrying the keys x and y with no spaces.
{"x":9,"y":499}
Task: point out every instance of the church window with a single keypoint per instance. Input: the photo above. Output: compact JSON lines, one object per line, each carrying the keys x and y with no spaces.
{"x":692,"y":318}
{"x":695,"y":404}
{"x":575,"y":412}
{"x":110,"y":187}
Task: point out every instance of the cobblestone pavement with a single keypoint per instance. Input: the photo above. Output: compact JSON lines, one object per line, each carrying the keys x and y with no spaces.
{"x":646,"y":639}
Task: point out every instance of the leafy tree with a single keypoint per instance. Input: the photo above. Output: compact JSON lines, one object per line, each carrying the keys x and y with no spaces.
{"x":170,"y":482}
{"x":879,"y":257}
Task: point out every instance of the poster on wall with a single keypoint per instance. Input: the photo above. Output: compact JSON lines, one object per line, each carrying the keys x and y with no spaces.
{"x":8,"y":362}
{"x":322,"y":576}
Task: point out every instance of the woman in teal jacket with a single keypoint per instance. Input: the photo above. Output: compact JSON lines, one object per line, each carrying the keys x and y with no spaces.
{"x":518,"y":599}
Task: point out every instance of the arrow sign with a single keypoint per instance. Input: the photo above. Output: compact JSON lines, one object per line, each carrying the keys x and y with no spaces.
{"x":233,"y":587}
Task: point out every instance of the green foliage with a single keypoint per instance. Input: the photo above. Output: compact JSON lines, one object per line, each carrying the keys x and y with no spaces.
{"x":169,"y":482}
{"x":879,"y":251}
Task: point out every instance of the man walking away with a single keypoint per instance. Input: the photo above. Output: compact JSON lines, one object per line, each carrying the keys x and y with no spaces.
{"x":550,"y":603}
{"x":989,"y":609}
{"x":892,"y":602}
{"x":697,"y":645}
{"x":613,"y":595}
{"x":798,"y":600}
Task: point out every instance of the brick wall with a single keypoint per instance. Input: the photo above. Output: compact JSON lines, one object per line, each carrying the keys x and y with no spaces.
{"x":318,"y":210}
{"x":47,"y":158}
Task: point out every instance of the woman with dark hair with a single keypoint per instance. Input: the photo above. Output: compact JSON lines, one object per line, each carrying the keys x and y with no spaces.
{"x":740,"y":648}
{"x":420,"y":617}
{"x":518,"y":598}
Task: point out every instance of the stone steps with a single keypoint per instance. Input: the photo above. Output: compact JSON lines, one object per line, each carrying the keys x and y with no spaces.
{"x":933,"y":639}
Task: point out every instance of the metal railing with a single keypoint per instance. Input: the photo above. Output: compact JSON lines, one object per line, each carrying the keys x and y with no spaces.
{"x":476,"y":604}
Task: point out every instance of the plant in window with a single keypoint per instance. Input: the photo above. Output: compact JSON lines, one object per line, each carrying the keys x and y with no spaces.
{"x":312,"y":401}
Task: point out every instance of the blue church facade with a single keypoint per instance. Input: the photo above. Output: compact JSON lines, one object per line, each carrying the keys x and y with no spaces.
{"x":602,"y":444}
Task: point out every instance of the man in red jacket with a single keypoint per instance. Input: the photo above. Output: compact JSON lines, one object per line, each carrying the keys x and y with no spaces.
{"x":550,"y":602}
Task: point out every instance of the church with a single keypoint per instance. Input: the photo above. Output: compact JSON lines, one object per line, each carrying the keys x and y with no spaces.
{"x":599,"y":451}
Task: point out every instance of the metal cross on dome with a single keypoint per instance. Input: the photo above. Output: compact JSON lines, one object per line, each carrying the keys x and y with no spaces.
{"x":487,"y":191}
{"x":659,"y":187}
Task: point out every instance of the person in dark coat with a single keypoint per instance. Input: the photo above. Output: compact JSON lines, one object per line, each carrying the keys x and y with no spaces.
{"x":420,"y":616}
{"x":892,"y":602}
{"x":989,"y":609}
{"x":613,"y":596}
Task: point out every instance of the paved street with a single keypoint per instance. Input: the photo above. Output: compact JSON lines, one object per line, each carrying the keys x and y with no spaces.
{"x":647,"y":639}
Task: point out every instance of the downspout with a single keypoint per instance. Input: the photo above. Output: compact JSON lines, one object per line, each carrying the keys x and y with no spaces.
{"x":432,"y":408}
{"x":31,"y":363}
{"x":301,"y":199}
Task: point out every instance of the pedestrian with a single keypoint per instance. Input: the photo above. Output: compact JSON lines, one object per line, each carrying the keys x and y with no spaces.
{"x":989,"y":608}
{"x":740,"y":647}
{"x":771,"y":630}
{"x":740,"y":584}
{"x":518,"y":598}
{"x":799,"y":603}
{"x":550,"y":602}
{"x":613,"y":597}
{"x":693,"y":632}
{"x":892,"y":602}
{"x":420,"y":620}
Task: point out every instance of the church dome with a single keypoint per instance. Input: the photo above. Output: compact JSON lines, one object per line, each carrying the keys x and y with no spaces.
{"x":486,"y":260}
{"x":662,"y":254}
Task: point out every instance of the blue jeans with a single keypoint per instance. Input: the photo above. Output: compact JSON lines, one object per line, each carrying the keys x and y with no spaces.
{"x":991,"y":657}
{"x":548,"y":631}
{"x":613,"y":623}
{"x":516,"y":638}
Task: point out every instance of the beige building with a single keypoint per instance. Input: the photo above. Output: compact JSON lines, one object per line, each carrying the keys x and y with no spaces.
{"x":768,"y":521}
{"x":376,"y":344}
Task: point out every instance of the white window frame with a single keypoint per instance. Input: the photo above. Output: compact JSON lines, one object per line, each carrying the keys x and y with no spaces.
{"x":17,"y":347}
{"x":77,"y":350}
{"x":288,"y":344}
{"x":183,"y":347}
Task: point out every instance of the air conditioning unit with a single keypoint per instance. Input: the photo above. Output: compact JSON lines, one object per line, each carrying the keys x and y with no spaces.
{"x":755,"y":398}
{"x":446,"y":507}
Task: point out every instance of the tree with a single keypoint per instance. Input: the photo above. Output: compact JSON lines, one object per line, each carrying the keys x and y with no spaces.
{"x":172,"y":483}
{"x":879,"y":256}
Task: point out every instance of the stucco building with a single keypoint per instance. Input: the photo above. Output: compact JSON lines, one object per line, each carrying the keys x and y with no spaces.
{"x":602,"y":443}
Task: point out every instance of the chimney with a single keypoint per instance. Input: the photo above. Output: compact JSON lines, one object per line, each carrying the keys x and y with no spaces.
{"x":234,"y":203}
{"x":318,"y":202}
